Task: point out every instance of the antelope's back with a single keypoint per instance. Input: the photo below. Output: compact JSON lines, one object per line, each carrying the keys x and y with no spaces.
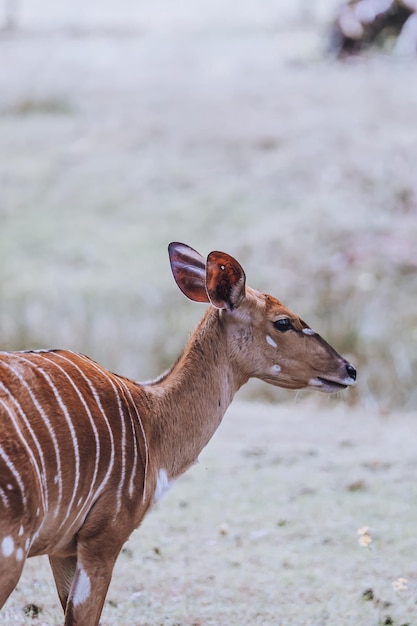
{"x":68,"y":436}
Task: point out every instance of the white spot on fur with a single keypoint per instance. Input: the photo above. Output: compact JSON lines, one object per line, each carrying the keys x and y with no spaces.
{"x":82,"y":588}
{"x":19,"y":554}
{"x":162,"y":484}
{"x":21,"y":531}
{"x":7,"y":546}
{"x":309,"y":331}
{"x":271,"y":342}
{"x":275,"y":369}
{"x":315,"y":382}
{"x":27,"y":544}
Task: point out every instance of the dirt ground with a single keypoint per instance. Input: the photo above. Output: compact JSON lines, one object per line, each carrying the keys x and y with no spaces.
{"x":125,"y":125}
{"x":265,"y":529}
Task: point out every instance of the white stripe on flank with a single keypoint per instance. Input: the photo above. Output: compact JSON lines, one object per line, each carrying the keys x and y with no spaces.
{"x":16,"y":475}
{"x":29,"y":450}
{"x":107,"y":375}
{"x":124,"y":391}
{"x":104,"y":373}
{"x":123,"y":443}
{"x":45,"y":419}
{"x":146,"y":449}
{"x":87,"y":500}
{"x":106,"y":421}
{"x":73,"y":434}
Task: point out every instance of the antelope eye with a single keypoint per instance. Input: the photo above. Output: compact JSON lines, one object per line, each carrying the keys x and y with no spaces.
{"x":283,"y":324}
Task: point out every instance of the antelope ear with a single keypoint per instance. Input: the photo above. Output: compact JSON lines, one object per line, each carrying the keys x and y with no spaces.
{"x":189,"y":270}
{"x":225,"y":281}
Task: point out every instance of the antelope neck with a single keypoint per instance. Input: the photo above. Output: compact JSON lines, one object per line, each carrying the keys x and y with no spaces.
{"x":189,"y":401}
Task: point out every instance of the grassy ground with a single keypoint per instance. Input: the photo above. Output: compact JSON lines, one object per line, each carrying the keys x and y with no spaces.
{"x":124,"y":127}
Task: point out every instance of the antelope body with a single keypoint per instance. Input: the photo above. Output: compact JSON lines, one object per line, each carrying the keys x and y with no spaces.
{"x":85,"y":453}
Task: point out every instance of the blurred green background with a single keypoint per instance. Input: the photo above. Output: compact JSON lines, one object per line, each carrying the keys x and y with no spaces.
{"x":125,"y":125}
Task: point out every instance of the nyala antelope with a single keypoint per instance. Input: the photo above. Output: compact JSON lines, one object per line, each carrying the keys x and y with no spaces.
{"x":84,"y":453}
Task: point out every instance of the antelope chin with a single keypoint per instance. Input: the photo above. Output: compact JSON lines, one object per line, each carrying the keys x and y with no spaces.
{"x":327,"y":385}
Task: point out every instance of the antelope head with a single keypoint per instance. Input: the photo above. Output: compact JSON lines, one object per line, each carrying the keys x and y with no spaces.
{"x":265,"y":339}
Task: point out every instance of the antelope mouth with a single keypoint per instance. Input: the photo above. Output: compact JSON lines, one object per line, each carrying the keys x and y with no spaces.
{"x":326,"y":385}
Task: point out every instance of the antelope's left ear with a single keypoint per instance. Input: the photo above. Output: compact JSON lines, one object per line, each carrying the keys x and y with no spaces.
{"x":189,"y":270}
{"x":225,"y":281}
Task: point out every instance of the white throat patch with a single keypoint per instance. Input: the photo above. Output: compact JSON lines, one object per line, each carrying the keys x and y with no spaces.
{"x":163,"y":484}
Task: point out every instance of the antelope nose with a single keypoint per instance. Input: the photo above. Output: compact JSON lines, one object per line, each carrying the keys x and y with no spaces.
{"x":351,"y":371}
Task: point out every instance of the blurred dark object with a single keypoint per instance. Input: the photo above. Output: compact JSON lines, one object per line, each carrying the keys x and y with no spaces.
{"x":32,"y":610}
{"x":10,"y":20}
{"x":361,"y":24}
